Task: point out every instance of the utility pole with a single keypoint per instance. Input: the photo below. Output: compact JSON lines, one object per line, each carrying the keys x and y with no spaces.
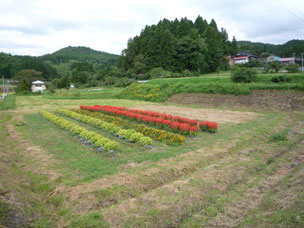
{"x":302,"y":62}
{"x":3,"y":89}
{"x":7,"y":89}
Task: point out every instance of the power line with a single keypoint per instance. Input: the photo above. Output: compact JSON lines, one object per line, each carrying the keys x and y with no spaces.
{"x":297,"y":7}
{"x":291,"y":11}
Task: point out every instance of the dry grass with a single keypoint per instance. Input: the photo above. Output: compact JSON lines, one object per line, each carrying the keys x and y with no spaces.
{"x":172,"y":201}
{"x":215,"y":115}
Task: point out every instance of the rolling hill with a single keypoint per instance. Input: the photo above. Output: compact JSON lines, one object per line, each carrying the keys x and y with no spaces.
{"x":83,"y":54}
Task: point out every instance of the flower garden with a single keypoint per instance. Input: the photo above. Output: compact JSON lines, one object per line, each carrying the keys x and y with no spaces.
{"x":122,"y":125}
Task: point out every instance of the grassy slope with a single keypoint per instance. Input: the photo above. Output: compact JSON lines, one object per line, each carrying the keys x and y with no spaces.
{"x":160,"y":89}
{"x":181,"y":195}
{"x":213,"y":83}
{"x":84,"y":94}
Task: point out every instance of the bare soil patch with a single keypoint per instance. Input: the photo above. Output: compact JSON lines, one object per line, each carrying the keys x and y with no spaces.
{"x":219,"y":116}
{"x":273,"y":100}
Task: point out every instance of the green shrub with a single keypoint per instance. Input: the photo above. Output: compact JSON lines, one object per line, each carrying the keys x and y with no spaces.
{"x":278,"y":79}
{"x":273,"y":66}
{"x":111,"y":146}
{"x":77,"y":130}
{"x":242,"y":74}
{"x":279,"y":137}
{"x":122,"y":133}
{"x":135,"y":137}
{"x":129,"y":133}
{"x":84,"y":135}
{"x":158,"y":73}
{"x":102,"y":142}
{"x":292,"y":68}
{"x":145,"y":141}
{"x":94,"y":139}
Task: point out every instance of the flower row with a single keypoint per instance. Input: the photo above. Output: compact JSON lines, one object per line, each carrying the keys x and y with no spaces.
{"x":191,"y":122}
{"x":208,"y":126}
{"x":90,"y":136}
{"x":110,"y":119}
{"x":165,"y":116}
{"x":175,"y":126}
{"x":160,"y":135}
{"x":99,"y":107}
{"x":108,"y":127}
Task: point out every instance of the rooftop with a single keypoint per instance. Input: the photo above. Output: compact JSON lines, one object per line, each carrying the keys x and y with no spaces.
{"x":38,"y":82}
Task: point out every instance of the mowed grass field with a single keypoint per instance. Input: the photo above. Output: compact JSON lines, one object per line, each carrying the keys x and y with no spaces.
{"x":248,"y":174}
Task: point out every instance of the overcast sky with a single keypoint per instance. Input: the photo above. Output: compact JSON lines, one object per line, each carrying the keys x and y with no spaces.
{"x":37,"y":27}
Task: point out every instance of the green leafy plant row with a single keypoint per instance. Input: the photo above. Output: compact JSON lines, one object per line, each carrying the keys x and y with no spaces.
{"x":156,"y":134}
{"x":107,"y":118}
{"x":108,"y":127}
{"x":94,"y":138}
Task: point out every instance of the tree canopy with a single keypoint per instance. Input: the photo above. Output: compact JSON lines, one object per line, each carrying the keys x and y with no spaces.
{"x":177,"y":46}
{"x":290,"y":48}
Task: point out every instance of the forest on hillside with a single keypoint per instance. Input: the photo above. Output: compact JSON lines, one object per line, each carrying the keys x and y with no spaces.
{"x":83,"y":54}
{"x":177,"y":46}
{"x":50,"y":65}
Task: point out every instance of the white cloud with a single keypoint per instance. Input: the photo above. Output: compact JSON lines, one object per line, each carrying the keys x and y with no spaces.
{"x":39,"y":27}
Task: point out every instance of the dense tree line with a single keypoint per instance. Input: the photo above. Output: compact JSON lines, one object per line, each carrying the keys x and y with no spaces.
{"x":289,"y":49}
{"x":48,"y":64}
{"x":79,"y":65}
{"x":177,"y":46}
{"x":11,"y":65}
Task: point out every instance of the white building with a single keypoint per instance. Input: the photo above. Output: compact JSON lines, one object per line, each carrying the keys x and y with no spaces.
{"x":241,"y":59}
{"x":38,"y":86}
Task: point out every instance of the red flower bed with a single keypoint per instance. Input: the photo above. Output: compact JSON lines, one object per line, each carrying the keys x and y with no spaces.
{"x":176,"y":123}
{"x":208,"y":126}
{"x":165,"y":116}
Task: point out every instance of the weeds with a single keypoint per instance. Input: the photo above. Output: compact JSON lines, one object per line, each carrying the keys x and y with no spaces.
{"x":280,"y":136}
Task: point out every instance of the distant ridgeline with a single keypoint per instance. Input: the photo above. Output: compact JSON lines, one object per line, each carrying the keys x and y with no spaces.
{"x":177,"y":46}
{"x":290,"y":48}
{"x":10,"y":65}
{"x":83,"y":54}
{"x":63,"y":61}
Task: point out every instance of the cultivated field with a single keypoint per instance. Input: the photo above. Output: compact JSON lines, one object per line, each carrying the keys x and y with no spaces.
{"x":249,"y":173}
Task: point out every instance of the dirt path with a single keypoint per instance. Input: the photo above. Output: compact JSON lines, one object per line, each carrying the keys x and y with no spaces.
{"x":219,"y":116}
{"x":273,"y":100}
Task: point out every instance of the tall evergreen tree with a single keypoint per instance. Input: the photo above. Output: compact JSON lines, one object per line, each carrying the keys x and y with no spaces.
{"x":234,"y":46}
{"x":215,"y":48}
